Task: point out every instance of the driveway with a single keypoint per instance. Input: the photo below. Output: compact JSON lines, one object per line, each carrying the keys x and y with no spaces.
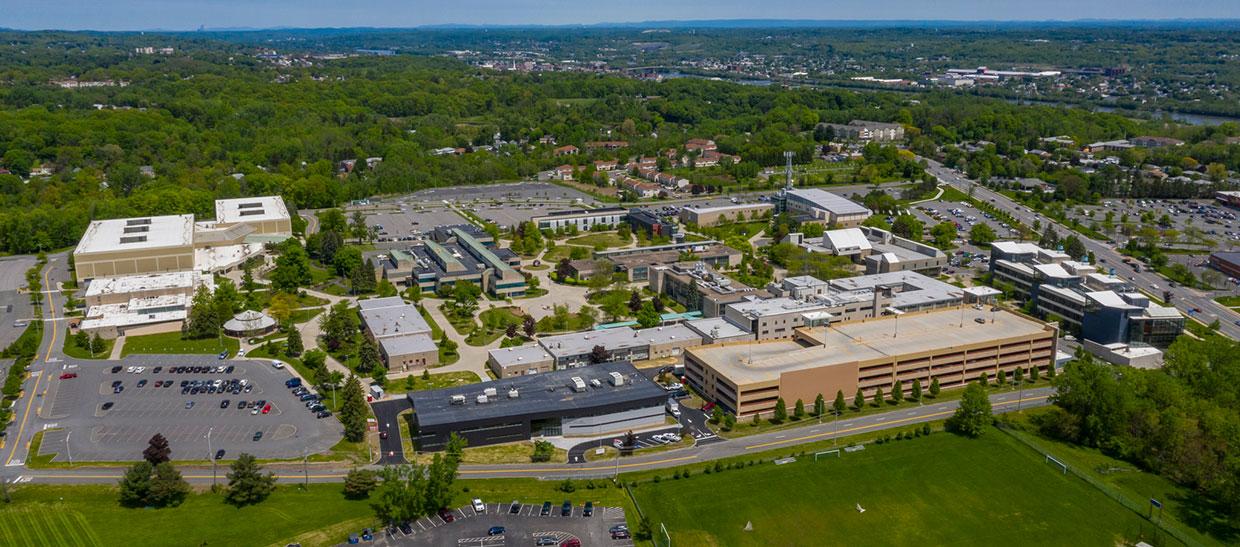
{"x":391,"y":451}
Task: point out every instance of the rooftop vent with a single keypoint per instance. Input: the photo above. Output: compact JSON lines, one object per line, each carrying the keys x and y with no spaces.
{"x":512,"y":393}
{"x":489,"y":392}
{"x":249,"y":205}
{"x":578,"y":384}
{"x":133,"y":239}
{"x":617,"y":379}
{"x":251,"y":212}
{"x":458,"y":399}
{"x":597,"y":384}
{"x":137,"y":229}
{"x":482,"y":399}
{"x":137,"y":222}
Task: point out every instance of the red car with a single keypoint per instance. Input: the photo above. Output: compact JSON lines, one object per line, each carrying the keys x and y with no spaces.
{"x":446,"y":515}
{"x":267,"y":408}
{"x":708,"y":406}
{"x":68,"y":375}
{"x":571,"y":542}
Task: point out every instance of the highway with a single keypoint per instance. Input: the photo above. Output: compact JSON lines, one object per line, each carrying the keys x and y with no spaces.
{"x":1183,"y":298}
{"x":789,"y":438}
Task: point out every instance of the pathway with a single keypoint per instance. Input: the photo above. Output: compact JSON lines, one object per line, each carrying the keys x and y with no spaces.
{"x":117,"y":348}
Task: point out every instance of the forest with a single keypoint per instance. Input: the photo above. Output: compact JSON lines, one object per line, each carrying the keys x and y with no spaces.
{"x":217,"y":120}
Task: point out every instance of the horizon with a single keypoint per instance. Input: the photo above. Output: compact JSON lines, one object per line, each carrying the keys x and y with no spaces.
{"x":259,"y":15}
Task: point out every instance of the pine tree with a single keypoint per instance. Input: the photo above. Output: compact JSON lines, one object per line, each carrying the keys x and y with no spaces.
{"x":798,"y":410}
{"x":839,"y":402}
{"x":983,"y":379}
{"x":1018,"y":376}
{"x":916,"y":393}
{"x":878,"y":396}
{"x":897,"y":392}
{"x":135,"y":485}
{"x":157,"y":450}
{"x":820,"y":405}
{"x":353,"y":411}
{"x":368,"y":356}
{"x":858,"y":399}
{"x":934,"y":387}
{"x":293,"y":346}
{"x":781,"y":410}
{"x":1033,"y":374}
{"x":168,"y":487}
{"x":247,"y":484}
{"x":1050,"y":371}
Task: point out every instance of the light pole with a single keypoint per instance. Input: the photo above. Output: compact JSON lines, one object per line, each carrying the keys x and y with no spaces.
{"x":211,"y":455}
{"x":69,"y":447}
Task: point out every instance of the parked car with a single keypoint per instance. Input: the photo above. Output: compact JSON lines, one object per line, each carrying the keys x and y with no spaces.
{"x":478,"y":506}
{"x":189,"y":404}
{"x":589,"y":510}
{"x":116,"y":369}
{"x":258,"y":436}
{"x":68,"y":375}
{"x":223,"y":355}
{"x":496,"y":531}
{"x":219,"y":454}
{"x":156,"y":370}
{"x":546,"y":540}
{"x":546,"y":509}
{"x":447,"y":515}
{"x":323,"y":414}
{"x":266,"y":408}
{"x":292,"y":382}
{"x":106,"y":406}
{"x":224,"y":403}
{"x":566,"y":509}
{"x":571,"y":542}
{"x":142,"y":383}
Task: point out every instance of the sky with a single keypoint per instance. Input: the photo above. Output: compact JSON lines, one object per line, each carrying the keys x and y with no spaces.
{"x":190,"y":14}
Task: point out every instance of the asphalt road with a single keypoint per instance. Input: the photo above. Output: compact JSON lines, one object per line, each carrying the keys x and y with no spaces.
{"x":1183,"y":298}
{"x":387,"y":416}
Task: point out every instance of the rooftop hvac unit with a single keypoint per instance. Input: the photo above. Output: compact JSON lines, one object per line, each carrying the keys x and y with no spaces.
{"x":482,"y":399}
{"x":578,"y":383}
{"x":489,"y":392}
{"x":458,"y":399}
{"x":597,"y":384}
{"x":617,"y":379}
{"x":512,"y":393}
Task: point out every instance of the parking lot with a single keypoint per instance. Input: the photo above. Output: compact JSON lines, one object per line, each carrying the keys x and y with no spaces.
{"x":14,"y":306}
{"x":89,"y":420}
{"x":527,"y":526}
{"x":965,"y":217}
{"x":404,"y":220}
{"x":517,"y":191}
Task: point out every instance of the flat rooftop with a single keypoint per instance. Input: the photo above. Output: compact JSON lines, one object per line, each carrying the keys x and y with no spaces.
{"x":149,"y":282}
{"x":717,"y":328}
{"x":546,"y":393}
{"x":728,"y":208}
{"x":580,"y":343}
{"x":869,"y":340}
{"x":914,"y":288}
{"x":831,"y":202}
{"x":404,"y":345}
{"x":529,"y":353}
{"x":255,"y":209}
{"x":391,"y":316}
{"x":133,"y":234}
{"x":775,"y":306}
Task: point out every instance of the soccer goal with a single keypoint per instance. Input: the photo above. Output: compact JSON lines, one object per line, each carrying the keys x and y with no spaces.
{"x":1061,"y":465}
{"x":828,"y":453}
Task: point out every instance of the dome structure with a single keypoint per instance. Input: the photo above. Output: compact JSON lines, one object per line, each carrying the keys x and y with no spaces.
{"x":249,"y":323}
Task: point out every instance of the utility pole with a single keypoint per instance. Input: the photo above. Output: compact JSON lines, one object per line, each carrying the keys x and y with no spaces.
{"x":211,"y":455}
{"x":69,"y":447}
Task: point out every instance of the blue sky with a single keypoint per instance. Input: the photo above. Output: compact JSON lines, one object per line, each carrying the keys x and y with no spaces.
{"x":189,"y":14}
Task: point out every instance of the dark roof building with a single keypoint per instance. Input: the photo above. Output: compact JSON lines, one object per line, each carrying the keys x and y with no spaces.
{"x":588,"y":401}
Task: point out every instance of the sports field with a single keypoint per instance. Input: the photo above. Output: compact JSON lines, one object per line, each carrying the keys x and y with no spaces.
{"x":936,"y":490}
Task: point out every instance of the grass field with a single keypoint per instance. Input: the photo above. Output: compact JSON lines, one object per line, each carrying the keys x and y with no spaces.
{"x":171,"y":342}
{"x":937,"y":490}
{"x":599,"y":240}
{"x":437,"y":381}
{"x":73,"y":350}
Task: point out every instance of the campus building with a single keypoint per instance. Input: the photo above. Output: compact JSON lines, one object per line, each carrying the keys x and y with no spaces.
{"x":1103,"y":308}
{"x":954,"y":346}
{"x":636,"y":263}
{"x":879,"y":250}
{"x":822,"y":207}
{"x":703,"y":215}
{"x":576,"y":349}
{"x":862,"y":130}
{"x":583,"y":219}
{"x":403,"y":335}
{"x":699,"y":287}
{"x":1227,"y":262}
{"x":458,"y":253}
{"x":607,"y":398}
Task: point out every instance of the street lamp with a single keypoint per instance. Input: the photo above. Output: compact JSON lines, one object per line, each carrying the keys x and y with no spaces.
{"x":69,"y":447}
{"x":211,"y":455}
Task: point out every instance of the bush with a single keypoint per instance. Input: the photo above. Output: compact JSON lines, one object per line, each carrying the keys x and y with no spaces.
{"x":567,"y":486}
{"x":543,"y":450}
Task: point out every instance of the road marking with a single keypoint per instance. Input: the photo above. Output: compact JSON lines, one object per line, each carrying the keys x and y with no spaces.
{"x":25,"y":416}
{"x":52,"y":303}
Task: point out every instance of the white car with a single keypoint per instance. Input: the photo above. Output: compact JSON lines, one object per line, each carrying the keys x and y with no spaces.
{"x":277,"y":364}
{"x":130,"y":369}
{"x":139,"y":370}
{"x":240,"y":353}
{"x":479,"y":507}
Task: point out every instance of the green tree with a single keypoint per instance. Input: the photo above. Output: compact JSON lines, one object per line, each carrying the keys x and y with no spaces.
{"x":716,"y":415}
{"x":934,"y":387}
{"x":368,"y":355}
{"x":916,"y":392}
{"x":247,"y":484}
{"x":820,"y":405}
{"x":647,"y":317}
{"x":292,"y":267}
{"x":858,"y":400}
{"x":227,"y":300}
{"x":907,"y":226}
{"x":202,"y":320}
{"x":339,"y":326}
{"x":359,"y":483}
{"x":168,"y":488}
{"x":1018,"y":376}
{"x":543,"y":451}
{"x":982,"y":234}
{"x":839,"y":405}
{"x":1033,"y":374}
{"x":878,"y":396}
{"x":293,"y":346}
{"x":943,"y":234}
{"x":347,"y":260}
{"x":897,"y":392}
{"x":798,"y":410}
{"x":353,"y":411}
{"x":973,"y":414}
{"x":135,"y":484}
{"x":781,"y":411}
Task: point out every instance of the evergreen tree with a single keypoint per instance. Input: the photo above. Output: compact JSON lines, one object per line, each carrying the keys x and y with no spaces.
{"x":368,"y":355}
{"x":247,"y":484}
{"x":878,"y":396}
{"x":135,"y":485}
{"x":529,"y":326}
{"x":858,"y":399}
{"x":359,"y":483}
{"x":353,"y":411}
{"x":897,"y":392}
{"x":1050,"y":372}
{"x":1018,"y":376}
{"x":839,"y":402}
{"x":293,"y":346}
{"x":635,"y":301}
{"x":916,"y":393}
{"x":157,"y":450}
{"x":820,"y":405}
{"x":781,"y":411}
{"x":1033,"y":374}
{"x":798,"y":410}
{"x":201,"y":321}
{"x":934,"y":387}
{"x":168,"y":488}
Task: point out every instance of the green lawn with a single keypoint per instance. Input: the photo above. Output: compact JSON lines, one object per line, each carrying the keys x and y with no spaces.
{"x":601,"y":239}
{"x":302,"y":316}
{"x":937,"y":490}
{"x":171,"y":342}
{"x":495,"y":322}
{"x":77,"y":352}
{"x":1229,"y":301}
{"x":90,"y":515}
{"x":437,"y":381}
